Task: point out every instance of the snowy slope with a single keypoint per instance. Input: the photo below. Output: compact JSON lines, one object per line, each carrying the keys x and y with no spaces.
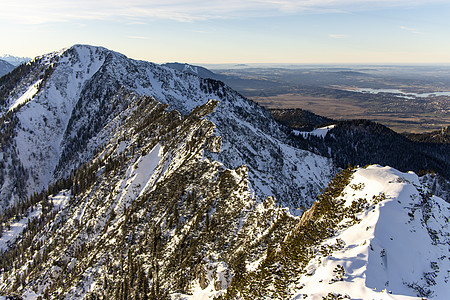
{"x":44,"y":110}
{"x":150,"y":203}
{"x":398,"y":250}
{"x":9,"y":236}
{"x":67,"y":97}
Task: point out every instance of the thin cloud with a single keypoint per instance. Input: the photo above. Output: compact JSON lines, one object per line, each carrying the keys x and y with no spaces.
{"x":412,"y":30}
{"x":54,"y":11}
{"x":200,"y":31}
{"x":139,"y":37}
{"x":338,"y":36}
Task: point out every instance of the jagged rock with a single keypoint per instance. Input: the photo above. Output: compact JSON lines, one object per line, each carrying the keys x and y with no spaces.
{"x":307,"y":216}
{"x":137,"y":201}
{"x":213,"y":144}
{"x":218,"y":285}
{"x":202,"y":277}
{"x":62,"y":101}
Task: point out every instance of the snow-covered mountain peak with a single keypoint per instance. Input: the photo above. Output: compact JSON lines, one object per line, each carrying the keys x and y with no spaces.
{"x":189,"y":68}
{"x":397,"y":247}
{"x":133,"y":180}
{"x":62,"y":100}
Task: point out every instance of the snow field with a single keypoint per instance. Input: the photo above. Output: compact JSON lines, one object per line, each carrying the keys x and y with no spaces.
{"x":389,"y":254}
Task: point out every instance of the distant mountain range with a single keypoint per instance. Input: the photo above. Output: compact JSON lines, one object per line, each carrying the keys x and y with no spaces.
{"x":5,"y":67}
{"x":9,"y":62}
{"x":14,"y":60}
{"x":125,"y":179}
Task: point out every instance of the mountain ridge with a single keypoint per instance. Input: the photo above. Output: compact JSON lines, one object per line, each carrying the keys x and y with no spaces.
{"x":361,"y":142}
{"x":131,"y":198}
{"x":71,"y":95}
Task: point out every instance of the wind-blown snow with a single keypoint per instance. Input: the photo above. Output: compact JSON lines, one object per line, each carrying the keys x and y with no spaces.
{"x":399,"y":249}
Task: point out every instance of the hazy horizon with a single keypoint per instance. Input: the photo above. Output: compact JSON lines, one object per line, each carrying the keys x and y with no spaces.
{"x":235,"y":32}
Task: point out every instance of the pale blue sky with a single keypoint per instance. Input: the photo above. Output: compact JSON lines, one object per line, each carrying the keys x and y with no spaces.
{"x":255,"y":31}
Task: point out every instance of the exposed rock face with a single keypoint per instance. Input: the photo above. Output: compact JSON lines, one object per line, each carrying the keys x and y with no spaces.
{"x":149,"y":212}
{"x":307,"y":216}
{"x":55,"y":107}
{"x":155,"y":191}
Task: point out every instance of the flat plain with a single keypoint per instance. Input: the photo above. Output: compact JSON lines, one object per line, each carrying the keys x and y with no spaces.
{"x":333,"y":92}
